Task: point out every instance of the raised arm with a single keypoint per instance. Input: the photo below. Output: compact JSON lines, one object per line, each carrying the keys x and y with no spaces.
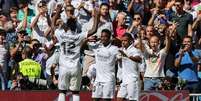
{"x":95,"y":25}
{"x":154,"y":14}
{"x":168,"y":35}
{"x":196,"y":22}
{"x":190,"y":30}
{"x":34,"y":22}
{"x":24,"y":21}
{"x":55,"y":17}
{"x":178,"y":60}
{"x":130,"y":6}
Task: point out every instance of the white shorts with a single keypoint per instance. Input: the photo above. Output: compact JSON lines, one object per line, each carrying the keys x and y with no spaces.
{"x":105,"y":90}
{"x":54,"y":59}
{"x":70,"y":79}
{"x":130,"y":91}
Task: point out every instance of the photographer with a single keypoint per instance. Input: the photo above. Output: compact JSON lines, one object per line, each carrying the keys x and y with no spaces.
{"x":186,"y":62}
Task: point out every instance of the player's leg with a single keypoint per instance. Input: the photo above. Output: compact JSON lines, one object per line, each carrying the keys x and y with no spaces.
{"x":63,"y":84}
{"x":75,"y":84}
{"x":122,"y":93}
{"x":62,"y":95}
{"x":133,"y":90}
{"x":108,"y":91}
{"x":97,"y":91}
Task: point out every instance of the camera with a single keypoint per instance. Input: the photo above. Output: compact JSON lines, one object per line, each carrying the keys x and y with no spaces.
{"x":183,"y":46}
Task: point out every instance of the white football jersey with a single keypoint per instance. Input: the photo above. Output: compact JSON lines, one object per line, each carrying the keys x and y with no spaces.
{"x":70,"y":44}
{"x":130,"y":69}
{"x":105,"y":58}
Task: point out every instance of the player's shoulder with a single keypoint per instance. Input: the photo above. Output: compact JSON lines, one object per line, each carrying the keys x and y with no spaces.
{"x":114,"y":49}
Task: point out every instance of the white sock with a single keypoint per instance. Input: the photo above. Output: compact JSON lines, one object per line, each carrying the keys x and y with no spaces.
{"x":62,"y":97}
{"x":76,"y":97}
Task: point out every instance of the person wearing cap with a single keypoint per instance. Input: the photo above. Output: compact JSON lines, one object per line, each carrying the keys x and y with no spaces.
{"x":24,"y":16}
{"x":40,"y":23}
{"x":3,"y":60}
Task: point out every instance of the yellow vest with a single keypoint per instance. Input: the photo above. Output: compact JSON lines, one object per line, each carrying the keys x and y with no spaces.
{"x":30,"y":68}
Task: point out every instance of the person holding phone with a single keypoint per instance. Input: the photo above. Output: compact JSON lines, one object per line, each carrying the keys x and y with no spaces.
{"x":186,"y":62}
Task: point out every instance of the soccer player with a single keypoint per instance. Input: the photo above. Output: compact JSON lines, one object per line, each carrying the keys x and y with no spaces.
{"x":105,"y":60}
{"x":69,"y":61}
{"x":130,"y":86}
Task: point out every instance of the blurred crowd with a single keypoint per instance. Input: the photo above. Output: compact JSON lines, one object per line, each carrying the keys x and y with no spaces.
{"x":169,"y":30}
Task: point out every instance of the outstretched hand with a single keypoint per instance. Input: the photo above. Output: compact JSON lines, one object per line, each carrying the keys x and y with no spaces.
{"x":59,"y":8}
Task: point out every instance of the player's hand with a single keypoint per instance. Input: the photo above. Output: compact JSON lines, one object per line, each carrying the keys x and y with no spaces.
{"x":92,"y":39}
{"x":122,"y":53}
{"x":59,"y":8}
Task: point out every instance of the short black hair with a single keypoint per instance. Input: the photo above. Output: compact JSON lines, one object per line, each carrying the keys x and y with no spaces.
{"x":128,"y":35}
{"x":107,"y":31}
{"x":181,"y":1}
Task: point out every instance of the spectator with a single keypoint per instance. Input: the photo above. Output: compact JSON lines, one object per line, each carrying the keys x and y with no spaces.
{"x":113,"y":10}
{"x":136,"y":25}
{"x":17,"y":47}
{"x":136,"y":6}
{"x":183,"y":19}
{"x":119,"y":25}
{"x":150,"y":31}
{"x":155,"y":60}
{"x":25,"y":15}
{"x":3,"y":61}
{"x":186,"y":61}
{"x":40,"y":23}
{"x":39,"y":56}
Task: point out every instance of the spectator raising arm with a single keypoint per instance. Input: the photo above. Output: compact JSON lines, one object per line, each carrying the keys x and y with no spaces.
{"x":196,"y":22}
{"x":130,"y":6}
{"x":168,"y":39}
{"x":95,"y":25}
{"x":24,"y":24}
